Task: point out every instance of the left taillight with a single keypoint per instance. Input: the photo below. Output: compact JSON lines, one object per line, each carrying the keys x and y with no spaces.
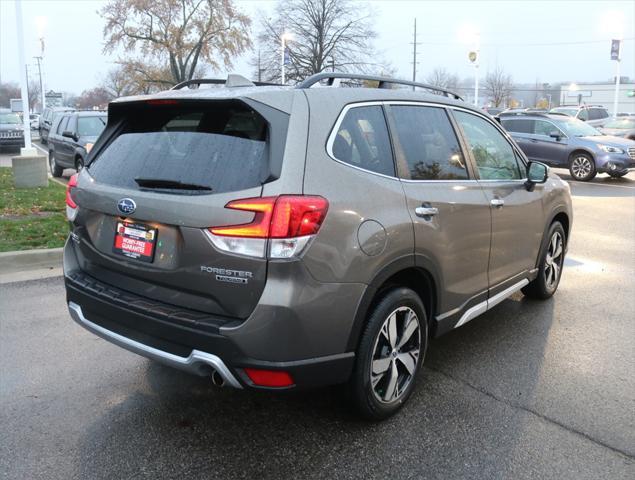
{"x":286,"y":222}
{"x":71,"y":205}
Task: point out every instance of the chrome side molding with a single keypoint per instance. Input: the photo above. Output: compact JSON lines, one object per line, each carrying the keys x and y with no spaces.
{"x":196,"y":363}
{"x":486,"y":305}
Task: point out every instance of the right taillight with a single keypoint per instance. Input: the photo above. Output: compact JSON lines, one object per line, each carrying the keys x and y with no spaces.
{"x":71,"y":205}
{"x":286,"y":222}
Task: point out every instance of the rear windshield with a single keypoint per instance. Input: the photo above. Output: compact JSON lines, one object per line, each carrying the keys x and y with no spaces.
{"x":207,"y":148}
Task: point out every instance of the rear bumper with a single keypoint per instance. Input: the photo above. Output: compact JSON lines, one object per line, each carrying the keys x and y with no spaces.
{"x":200,"y":343}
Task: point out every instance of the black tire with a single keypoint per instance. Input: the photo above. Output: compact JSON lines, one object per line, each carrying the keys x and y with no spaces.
{"x":56,"y":170}
{"x":367,"y":386}
{"x":79,"y":164}
{"x":541,"y":287}
{"x":582,"y":167}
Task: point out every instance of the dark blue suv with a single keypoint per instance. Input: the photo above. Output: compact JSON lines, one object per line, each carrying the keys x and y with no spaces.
{"x":562,"y":141}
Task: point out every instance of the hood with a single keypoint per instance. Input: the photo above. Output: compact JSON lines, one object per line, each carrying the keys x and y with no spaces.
{"x":610,"y":140}
{"x":5,"y":127}
{"x":617,"y":132}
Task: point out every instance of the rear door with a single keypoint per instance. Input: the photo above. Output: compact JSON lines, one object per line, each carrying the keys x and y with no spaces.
{"x":517,"y":214}
{"x":548,"y":149}
{"x":449,"y":212}
{"x":161,"y":176}
{"x":65,"y":145}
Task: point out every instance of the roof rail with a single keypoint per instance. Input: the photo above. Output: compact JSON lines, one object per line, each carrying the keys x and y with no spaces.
{"x":383,"y":82}
{"x":230,"y":81}
{"x":532,"y":114}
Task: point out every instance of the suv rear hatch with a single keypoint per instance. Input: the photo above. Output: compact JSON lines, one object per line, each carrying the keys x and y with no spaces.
{"x":158,"y":179}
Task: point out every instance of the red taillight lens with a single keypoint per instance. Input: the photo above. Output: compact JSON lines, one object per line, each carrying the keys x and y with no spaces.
{"x":286,"y":216}
{"x":72,"y":183}
{"x":269,"y":378}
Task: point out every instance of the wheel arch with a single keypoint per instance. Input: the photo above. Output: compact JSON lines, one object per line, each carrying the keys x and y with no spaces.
{"x":578,"y":151}
{"x":403,"y":272}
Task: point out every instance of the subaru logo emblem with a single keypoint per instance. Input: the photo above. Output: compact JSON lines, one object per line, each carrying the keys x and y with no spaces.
{"x":126,"y":206}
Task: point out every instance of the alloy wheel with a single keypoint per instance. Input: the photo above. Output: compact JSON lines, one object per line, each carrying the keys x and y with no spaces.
{"x":581,"y":167}
{"x":553,"y":260}
{"x":395,"y":355}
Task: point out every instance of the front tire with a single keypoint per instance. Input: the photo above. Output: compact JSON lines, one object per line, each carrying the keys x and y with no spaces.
{"x":56,"y":170}
{"x":582,"y":167}
{"x":390,"y":354}
{"x":550,"y":266}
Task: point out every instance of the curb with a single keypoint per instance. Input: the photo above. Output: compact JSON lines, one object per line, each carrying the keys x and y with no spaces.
{"x":15,"y":266}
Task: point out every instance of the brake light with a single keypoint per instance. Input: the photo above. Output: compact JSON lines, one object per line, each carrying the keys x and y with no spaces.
{"x":162,"y":101}
{"x":71,"y":205}
{"x":269,"y":378}
{"x":286,"y":216}
{"x":287,"y":222}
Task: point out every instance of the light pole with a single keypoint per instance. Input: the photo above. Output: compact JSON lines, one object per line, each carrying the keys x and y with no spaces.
{"x":470,"y":36}
{"x":23,"y":81}
{"x":283,"y":39}
{"x":40,"y":24}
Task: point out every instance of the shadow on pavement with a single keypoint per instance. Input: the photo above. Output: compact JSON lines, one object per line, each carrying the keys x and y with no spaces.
{"x":461,"y":418}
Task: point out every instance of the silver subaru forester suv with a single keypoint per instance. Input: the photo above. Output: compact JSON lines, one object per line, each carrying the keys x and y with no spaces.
{"x":277,"y":237}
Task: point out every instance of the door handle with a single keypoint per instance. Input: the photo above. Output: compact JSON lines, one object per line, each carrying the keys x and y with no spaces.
{"x":426,"y":211}
{"x":497,"y":202}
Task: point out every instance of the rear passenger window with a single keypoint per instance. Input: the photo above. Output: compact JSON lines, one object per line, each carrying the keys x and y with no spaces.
{"x":518,"y":125}
{"x":62,"y":125}
{"x":362,"y":140}
{"x":429,"y":143}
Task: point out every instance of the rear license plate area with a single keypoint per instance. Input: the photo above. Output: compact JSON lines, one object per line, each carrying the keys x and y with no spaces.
{"x":135,"y":240}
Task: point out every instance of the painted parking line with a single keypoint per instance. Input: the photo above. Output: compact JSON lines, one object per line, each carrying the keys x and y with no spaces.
{"x":578,"y":184}
{"x":40,"y":149}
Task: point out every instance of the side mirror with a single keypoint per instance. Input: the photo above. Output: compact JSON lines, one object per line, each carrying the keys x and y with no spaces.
{"x":69,"y":134}
{"x":536,"y":173}
{"x":555,"y":134}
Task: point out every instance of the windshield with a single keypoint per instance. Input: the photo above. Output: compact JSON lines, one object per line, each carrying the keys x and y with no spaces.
{"x":10,"y":118}
{"x":91,"y":126}
{"x":621,"y":124}
{"x":567,"y":111}
{"x":577,"y":128}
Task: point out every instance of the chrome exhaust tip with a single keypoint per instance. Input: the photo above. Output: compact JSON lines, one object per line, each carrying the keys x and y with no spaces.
{"x":217,"y":378}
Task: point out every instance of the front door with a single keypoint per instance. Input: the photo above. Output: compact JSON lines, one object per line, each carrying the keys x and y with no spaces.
{"x":548,"y":149}
{"x":449,"y":212}
{"x":517,"y":215}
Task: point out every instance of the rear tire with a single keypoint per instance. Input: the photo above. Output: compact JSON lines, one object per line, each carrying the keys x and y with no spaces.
{"x":550,"y":266}
{"x":582,"y":167}
{"x":390,"y":354}
{"x":56,"y":170}
{"x":79,"y":164}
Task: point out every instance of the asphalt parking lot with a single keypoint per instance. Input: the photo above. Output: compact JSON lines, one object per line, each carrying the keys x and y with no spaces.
{"x":528,"y":390}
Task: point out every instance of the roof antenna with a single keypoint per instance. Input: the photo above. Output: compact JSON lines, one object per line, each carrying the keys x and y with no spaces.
{"x":234,"y":80}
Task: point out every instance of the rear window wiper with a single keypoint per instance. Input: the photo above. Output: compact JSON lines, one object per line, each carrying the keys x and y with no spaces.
{"x":169,"y":184}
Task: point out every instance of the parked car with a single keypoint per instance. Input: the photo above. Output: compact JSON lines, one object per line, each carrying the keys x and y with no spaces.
{"x":281,"y":238}
{"x":493,"y":111}
{"x":563,"y":141}
{"x":47,"y":118}
{"x":34,"y":120}
{"x":71,"y":138}
{"x":11,"y":130}
{"x":620,"y":127}
{"x":594,"y":115}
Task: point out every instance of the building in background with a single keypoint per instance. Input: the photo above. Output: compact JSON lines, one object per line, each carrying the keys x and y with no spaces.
{"x":598,"y":93}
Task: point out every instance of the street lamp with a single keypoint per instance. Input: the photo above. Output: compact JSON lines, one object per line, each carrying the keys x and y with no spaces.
{"x":283,"y":39}
{"x":40,"y":25}
{"x":470,"y":36}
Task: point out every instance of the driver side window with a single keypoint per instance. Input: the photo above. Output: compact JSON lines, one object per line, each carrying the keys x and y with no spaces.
{"x":494,"y":155}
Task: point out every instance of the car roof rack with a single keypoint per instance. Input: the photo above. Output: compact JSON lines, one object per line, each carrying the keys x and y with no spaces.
{"x":232,"y":80}
{"x":384,"y":82}
{"x":530,"y":114}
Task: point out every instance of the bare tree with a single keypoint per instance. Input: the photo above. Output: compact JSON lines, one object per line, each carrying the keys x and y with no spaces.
{"x":498,"y":85}
{"x":440,"y":77}
{"x":324,"y":35}
{"x":97,"y":97}
{"x":35,"y":95}
{"x":117,"y":82}
{"x":175,"y":36}
{"x":7,"y":92}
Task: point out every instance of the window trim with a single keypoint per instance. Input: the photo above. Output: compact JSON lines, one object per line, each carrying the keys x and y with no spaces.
{"x":331,"y":138}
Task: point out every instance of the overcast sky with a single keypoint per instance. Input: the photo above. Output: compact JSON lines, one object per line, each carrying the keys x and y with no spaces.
{"x":548,"y":41}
